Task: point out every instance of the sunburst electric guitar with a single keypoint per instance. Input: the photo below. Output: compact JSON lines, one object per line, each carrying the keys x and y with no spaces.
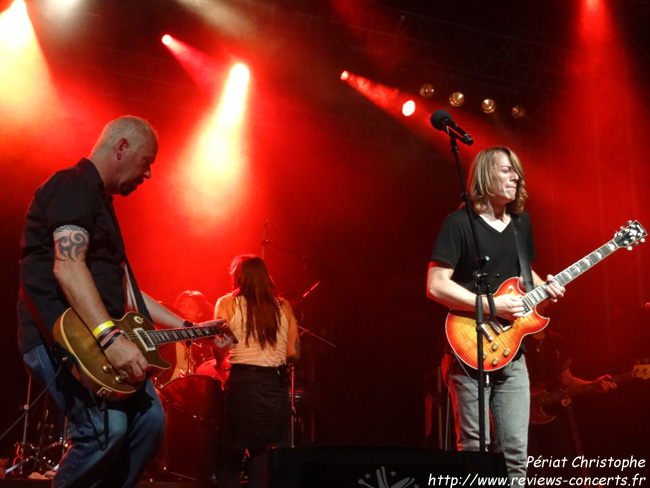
{"x":90,"y":365}
{"x":502,"y":338}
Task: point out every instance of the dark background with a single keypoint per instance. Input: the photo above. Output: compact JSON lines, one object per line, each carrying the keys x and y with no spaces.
{"x":359,"y":191}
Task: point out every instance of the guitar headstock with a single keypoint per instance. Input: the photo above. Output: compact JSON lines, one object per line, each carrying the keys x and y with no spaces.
{"x":642,"y":371}
{"x":630,"y":235}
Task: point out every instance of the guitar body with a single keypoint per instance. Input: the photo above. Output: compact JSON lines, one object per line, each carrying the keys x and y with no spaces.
{"x":539,"y":398}
{"x":538,"y":415}
{"x":504,"y":337}
{"x":91,"y":364}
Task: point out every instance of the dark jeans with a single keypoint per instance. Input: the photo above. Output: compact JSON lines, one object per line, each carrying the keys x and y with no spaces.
{"x":110,"y":448}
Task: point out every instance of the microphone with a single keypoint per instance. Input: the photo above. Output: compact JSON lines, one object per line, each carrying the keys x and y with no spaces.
{"x":441,"y":120}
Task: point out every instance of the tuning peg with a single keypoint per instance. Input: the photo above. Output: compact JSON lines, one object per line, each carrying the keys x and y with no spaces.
{"x":622,"y":227}
{"x":629,"y":222}
{"x":643,"y":239}
{"x":636,"y":243}
{"x":629,"y":248}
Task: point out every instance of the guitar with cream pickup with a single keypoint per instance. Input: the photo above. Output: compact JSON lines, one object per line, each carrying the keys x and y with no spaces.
{"x":90,"y":366}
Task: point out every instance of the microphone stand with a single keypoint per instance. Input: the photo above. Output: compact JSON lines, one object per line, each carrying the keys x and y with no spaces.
{"x":482,"y":288}
{"x":307,"y":262}
{"x":305,"y":259}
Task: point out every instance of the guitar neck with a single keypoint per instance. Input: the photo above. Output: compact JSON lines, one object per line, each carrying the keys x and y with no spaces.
{"x":539,"y":294}
{"x":552,"y":397}
{"x":167,"y":336}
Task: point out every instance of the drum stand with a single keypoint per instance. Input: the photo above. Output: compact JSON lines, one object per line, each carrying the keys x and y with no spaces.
{"x":310,"y":383}
{"x":37,"y":458}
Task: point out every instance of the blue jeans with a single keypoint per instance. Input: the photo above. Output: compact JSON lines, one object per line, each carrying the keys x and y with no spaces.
{"x":110,"y":448}
{"x":508,"y":397}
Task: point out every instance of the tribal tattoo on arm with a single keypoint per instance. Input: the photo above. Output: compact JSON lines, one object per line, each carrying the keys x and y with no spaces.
{"x":70,"y":243}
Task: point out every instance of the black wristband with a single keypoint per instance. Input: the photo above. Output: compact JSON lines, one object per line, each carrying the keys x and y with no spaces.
{"x":105,"y":333}
{"x":110,"y":341}
{"x":187,"y":323}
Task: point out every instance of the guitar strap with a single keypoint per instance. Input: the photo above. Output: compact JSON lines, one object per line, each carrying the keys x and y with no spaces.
{"x":45,"y":331}
{"x":524,"y":262}
{"x":134,"y":298}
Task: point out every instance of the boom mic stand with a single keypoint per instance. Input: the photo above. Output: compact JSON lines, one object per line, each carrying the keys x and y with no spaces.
{"x":307,"y":263}
{"x":482,"y":288}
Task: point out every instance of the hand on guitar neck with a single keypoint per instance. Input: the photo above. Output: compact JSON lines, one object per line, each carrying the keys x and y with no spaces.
{"x":602,"y":384}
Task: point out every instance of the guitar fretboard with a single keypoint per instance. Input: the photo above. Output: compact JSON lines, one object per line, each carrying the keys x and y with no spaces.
{"x":624,"y":238}
{"x":538,"y":295}
{"x":167,"y":336}
{"x":547,"y":398}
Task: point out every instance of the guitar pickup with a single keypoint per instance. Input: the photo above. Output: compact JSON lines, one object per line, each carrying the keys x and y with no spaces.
{"x":528,"y":308}
{"x":495,"y":326}
{"x":145,"y":340}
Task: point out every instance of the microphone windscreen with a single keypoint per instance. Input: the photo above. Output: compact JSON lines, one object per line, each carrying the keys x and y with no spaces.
{"x":438,"y":117}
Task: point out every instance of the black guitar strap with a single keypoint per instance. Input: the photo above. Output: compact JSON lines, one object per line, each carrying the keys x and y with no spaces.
{"x":132,"y":284}
{"x":137,"y":294}
{"x":524,"y":262}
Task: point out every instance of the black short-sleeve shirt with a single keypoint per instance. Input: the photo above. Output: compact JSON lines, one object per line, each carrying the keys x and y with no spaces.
{"x":73,"y":196}
{"x":455,"y":247}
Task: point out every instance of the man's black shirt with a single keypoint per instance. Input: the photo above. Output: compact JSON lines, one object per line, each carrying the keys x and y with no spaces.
{"x":73,"y":196}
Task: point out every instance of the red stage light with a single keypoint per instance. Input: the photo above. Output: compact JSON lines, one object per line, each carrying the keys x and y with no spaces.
{"x":345,"y":75}
{"x":408,"y":108}
{"x":167,"y":40}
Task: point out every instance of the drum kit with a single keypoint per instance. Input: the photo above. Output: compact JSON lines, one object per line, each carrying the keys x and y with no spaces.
{"x":191,"y":393}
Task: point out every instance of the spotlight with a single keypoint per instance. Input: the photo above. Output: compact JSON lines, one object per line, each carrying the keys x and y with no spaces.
{"x":345,"y":75}
{"x":518,"y":112}
{"x":166,"y":40}
{"x":408,"y":108}
{"x":15,"y":26}
{"x":426,"y":91}
{"x":488,"y":106}
{"x":239,"y":74}
{"x":456,"y":99}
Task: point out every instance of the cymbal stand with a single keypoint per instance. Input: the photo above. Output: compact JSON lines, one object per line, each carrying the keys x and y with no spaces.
{"x":307,"y":263}
{"x":294,"y":414}
{"x":38,"y":455}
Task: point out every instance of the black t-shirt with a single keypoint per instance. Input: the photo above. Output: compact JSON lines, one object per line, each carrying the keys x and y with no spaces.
{"x":73,"y":196}
{"x":455,"y":247}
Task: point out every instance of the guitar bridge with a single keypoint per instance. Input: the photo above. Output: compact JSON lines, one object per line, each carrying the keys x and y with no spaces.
{"x":145,"y":340}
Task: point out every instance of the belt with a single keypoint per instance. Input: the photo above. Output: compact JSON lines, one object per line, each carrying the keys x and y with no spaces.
{"x":255,"y":367}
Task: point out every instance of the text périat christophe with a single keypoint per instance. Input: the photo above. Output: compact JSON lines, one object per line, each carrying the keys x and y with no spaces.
{"x":584,"y":462}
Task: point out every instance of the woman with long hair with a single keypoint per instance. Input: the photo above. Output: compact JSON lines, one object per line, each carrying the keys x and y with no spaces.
{"x":255,"y":412}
